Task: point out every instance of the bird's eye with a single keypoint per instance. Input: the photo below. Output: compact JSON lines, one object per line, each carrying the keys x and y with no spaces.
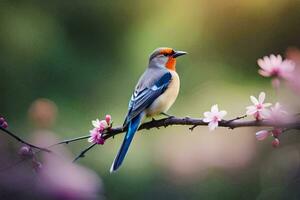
{"x":165,"y":54}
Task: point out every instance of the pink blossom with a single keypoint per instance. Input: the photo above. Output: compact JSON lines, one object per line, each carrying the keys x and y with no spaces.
{"x":101,"y":125}
{"x":96,"y":132}
{"x":276,"y":113}
{"x":96,"y":136}
{"x":259,"y":106}
{"x":263,"y":134}
{"x":213,"y":117}
{"x":274,"y":66}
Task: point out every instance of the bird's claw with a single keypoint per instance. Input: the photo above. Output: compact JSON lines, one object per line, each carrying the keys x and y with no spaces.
{"x":167,"y":115}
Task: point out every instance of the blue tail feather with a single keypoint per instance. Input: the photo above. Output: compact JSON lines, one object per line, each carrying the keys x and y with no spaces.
{"x":132,"y":128}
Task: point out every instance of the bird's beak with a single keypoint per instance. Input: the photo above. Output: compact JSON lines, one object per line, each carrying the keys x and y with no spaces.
{"x":178,"y":53}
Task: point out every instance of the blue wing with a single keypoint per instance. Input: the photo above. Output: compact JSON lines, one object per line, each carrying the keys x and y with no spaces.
{"x":142,"y":98}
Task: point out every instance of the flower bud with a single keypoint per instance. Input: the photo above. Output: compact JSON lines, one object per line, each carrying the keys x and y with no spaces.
{"x":26,"y":152}
{"x":277,"y":132}
{"x":2,"y":120}
{"x":261,"y":135}
{"x":108,"y":119}
{"x":100,"y":140}
{"x":275,"y":143}
{"x":4,"y":125}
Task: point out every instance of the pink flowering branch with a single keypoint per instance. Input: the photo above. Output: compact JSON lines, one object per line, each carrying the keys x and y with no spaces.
{"x":185,"y":121}
{"x":195,"y":122}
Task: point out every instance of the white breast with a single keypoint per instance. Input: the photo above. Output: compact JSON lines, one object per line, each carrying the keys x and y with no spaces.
{"x":165,"y":100}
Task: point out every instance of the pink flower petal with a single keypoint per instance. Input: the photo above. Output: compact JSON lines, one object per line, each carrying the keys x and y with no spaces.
{"x":213,"y":125}
{"x":215,"y":109}
{"x":254,"y":100}
{"x":95,"y":123}
{"x":251,"y":110}
{"x":266,"y":104}
{"x":261,"y":97}
{"x":262,"y":64}
{"x":222,"y":113}
{"x":207,"y":114}
{"x":264,"y":73}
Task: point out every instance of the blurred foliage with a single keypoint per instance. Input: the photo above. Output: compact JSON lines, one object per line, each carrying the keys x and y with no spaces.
{"x":86,"y":56}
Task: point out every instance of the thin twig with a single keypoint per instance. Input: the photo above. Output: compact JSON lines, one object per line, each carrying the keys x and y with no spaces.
{"x":237,"y":118}
{"x":22,"y":141}
{"x":70,"y":140}
{"x":82,"y":153}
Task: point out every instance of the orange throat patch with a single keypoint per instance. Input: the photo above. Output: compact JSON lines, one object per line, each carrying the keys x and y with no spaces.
{"x":171,"y":64}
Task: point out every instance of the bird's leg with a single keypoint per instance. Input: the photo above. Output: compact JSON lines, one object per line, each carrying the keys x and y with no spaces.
{"x":167,"y":115}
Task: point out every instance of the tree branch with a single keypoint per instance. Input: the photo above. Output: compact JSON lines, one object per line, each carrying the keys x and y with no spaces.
{"x":82,"y":153}
{"x":194,"y":122}
{"x":186,"y":121}
{"x":67,"y":141}
{"x":22,"y":141}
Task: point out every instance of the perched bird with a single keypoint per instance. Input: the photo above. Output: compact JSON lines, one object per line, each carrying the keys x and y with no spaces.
{"x":154,"y":94}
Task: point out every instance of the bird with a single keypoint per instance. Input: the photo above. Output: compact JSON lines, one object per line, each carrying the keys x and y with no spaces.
{"x":155,"y":92}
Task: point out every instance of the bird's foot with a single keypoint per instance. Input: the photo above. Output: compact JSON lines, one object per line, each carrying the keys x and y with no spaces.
{"x":167,"y":115}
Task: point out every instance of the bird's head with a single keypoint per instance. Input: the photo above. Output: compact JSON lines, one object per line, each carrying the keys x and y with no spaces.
{"x":165,"y":57}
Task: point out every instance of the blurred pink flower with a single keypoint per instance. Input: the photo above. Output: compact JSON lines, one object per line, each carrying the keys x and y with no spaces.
{"x":294,"y":81}
{"x":274,"y":66}
{"x":263,"y":134}
{"x":213,"y":117}
{"x":96,"y":136}
{"x":66,"y":180}
{"x":259,"y":107}
{"x":276,"y":113}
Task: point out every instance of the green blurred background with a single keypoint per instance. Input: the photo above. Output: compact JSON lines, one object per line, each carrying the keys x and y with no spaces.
{"x":86,"y":56}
